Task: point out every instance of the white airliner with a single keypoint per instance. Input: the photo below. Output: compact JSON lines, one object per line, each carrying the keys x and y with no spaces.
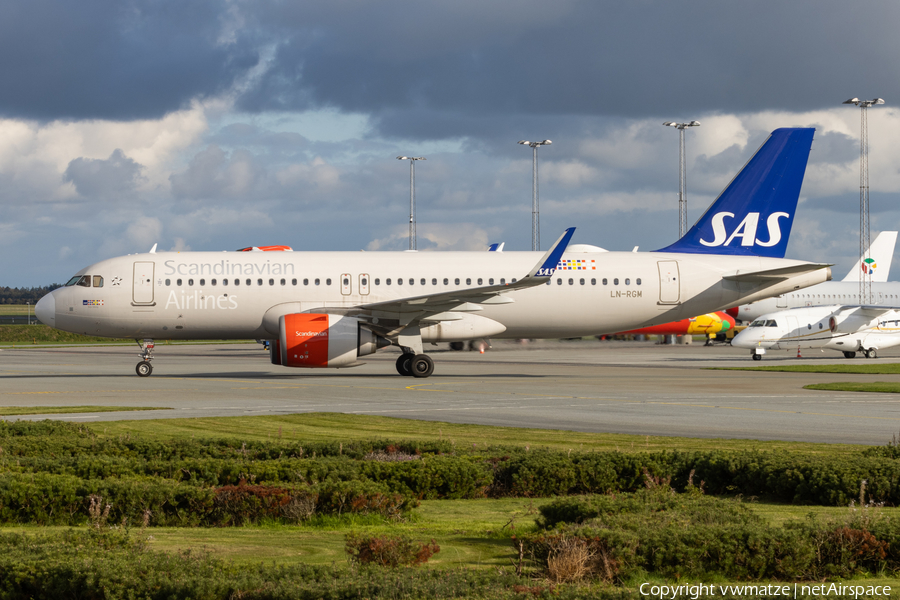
{"x":328,"y":309}
{"x":847,"y":329}
{"x":877,"y":263}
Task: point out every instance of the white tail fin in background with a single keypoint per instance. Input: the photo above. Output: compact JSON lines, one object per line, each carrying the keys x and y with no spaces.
{"x":881,"y":252}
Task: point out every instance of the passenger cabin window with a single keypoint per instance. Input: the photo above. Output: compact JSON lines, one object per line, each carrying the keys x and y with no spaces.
{"x":271,"y":282}
{"x":213,"y":282}
{"x":638,"y":281}
{"x":446,"y":281}
{"x":479,"y":281}
{"x":616,"y":281}
{"x":316,"y":281}
{"x":178,"y":282}
{"x":456,"y":281}
{"x":224,"y":282}
{"x":237,"y":282}
{"x":259,"y":282}
{"x":604,"y":281}
{"x":468,"y":281}
{"x":328,"y":282}
{"x":249,"y":282}
{"x":306,"y":282}
{"x":190,"y":282}
{"x":202,"y":282}
{"x":377,"y":281}
{"x":168,"y":282}
{"x":422,"y":281}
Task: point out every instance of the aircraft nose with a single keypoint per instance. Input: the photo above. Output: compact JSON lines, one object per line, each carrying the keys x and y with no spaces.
{"x":45,"y":310}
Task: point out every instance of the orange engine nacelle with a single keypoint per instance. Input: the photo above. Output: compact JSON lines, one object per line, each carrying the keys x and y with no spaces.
{"x":318,"y":340}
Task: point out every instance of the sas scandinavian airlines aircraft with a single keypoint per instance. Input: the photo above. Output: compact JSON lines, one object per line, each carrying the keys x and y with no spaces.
{"x":328,"y":309}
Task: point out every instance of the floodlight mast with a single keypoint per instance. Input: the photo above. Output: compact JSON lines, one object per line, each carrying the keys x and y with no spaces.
{"x":535,"y":214}
{"x":865,"y":278}
{"x":682,"y":183}
{"x":412,"y":197}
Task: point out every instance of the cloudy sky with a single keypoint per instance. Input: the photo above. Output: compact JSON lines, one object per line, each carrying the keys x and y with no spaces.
{"x":211,"y":125}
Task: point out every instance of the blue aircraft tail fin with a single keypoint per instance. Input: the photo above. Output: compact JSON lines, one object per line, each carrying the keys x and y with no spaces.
{"x":754,"y":214}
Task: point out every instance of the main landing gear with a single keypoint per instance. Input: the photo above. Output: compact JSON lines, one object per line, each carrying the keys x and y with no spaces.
{"x":416,"y":365}
{"x":143,"y":368}
{"x":871,"y":353}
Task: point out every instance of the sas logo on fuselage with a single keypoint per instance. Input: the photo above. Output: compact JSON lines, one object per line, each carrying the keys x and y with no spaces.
{"x":746,"y":230}
{"x":545,"y":272}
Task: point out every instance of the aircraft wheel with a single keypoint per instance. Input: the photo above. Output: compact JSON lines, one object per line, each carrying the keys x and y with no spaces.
{"x":404,"y":364}
{"x":871,"y":353}
{"x":757,"y":357}
{"x":143,"y":368}
{"x":849,"y":354}
{"x":422,"y":365}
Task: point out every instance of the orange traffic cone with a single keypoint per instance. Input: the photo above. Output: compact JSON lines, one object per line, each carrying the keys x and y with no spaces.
{"x":798,"y":352}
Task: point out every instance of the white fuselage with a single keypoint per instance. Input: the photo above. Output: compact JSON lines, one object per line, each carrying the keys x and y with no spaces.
{"x":835,"y":327}
{"x":216,"y":295}
{"x":824,"y":294}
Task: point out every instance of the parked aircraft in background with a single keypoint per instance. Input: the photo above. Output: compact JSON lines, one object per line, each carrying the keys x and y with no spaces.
{"x":329,"y":309}
{"x":846,"y":291}
{"x":847,"y":329}
{"x":710,"y":323}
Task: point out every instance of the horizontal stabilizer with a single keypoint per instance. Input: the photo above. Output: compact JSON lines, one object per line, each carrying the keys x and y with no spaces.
{"x":773,"y":275}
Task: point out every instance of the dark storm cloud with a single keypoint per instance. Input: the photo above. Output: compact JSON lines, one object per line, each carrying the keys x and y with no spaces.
{"x":104,"y":178}
{"x":113,"y":59}
{"x":451,"y":65}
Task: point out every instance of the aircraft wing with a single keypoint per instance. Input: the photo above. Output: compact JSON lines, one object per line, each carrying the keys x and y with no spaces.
{"x":773,"y":275}
{"x":430,"y":304}
{"x":868,"y":310}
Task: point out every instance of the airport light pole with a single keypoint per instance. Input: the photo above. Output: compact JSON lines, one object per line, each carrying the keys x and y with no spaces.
{"x":865,"y":278}
{"x":28,"y":304}
{"x":535,"y":214}
{"x":682,"y":187}
{"x":412,"y":197}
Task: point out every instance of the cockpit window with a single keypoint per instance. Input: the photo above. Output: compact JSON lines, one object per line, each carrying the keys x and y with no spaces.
{"x":771,"y":323}
{"x":758,"y":323}
{"x":85,"y":281}
{"x":74,"y":280}
{"x":98,"y":281}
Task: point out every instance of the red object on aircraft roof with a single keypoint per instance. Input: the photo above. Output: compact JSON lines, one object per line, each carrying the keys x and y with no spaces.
{"x":732,"y":312}
{"x":267,"y":249}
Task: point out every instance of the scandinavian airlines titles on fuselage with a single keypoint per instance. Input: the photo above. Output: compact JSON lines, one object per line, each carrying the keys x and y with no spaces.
{"x":226,"y":267}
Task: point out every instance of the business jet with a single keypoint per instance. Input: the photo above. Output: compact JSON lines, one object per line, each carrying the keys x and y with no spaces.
{"x":847,"y":329}
{"x":876,"y":264}
{"x":329,"y":309}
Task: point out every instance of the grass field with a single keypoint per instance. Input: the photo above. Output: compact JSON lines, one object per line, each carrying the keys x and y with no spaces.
{"x":11,"y":411}
{"x":470,"y":533}
{"x":321,"y":427}
{"x":849,"y":369}
{"x":16,"y":310}
{"x":884,"y":387}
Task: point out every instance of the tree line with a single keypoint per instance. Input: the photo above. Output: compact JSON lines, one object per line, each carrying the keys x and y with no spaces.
{"x":10,"y":295}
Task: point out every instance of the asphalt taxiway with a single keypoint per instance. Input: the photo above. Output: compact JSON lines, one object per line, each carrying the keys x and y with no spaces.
{"x":585,"y":385}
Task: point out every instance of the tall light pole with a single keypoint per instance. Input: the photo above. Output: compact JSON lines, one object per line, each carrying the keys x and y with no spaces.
{"x":865,"y":279}
{"x":682,"y":188}
{"x":535,"y":214}
{"x":412,"y":197}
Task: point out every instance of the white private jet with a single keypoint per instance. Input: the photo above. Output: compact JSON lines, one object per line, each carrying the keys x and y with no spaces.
{"x":847,"y":329}
{"x":877,"y":264}
{"x":328,"y":309}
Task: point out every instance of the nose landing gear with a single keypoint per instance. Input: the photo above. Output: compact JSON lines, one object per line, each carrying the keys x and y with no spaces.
{"x":143,"y":368}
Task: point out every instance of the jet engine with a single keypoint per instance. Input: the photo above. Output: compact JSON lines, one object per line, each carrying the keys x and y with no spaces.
{"x":319,"y":340}
{"x":848,"y":322}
